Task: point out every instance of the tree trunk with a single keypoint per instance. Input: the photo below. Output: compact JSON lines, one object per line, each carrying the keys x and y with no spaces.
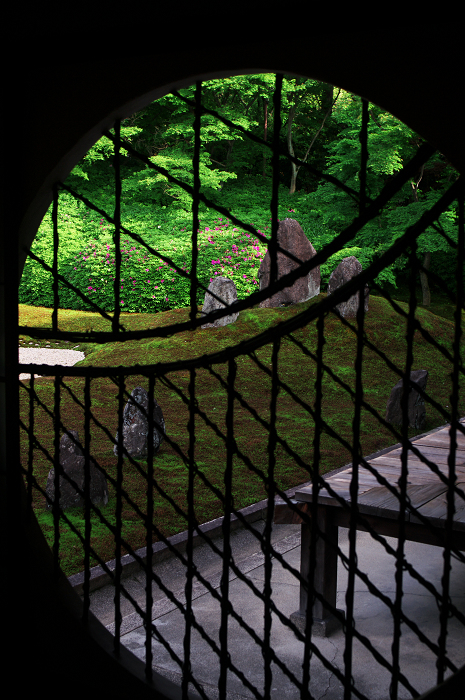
{"x":327,"y":99}
{"x":424,"y":281}
{"x":290,"y":148}
{"x":265,"y":134}
{"x":427,"y":259}
{"x":228,"y":154}
{"x":295,"y":168}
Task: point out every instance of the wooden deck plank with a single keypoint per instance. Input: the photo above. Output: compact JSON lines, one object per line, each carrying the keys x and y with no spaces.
{"x":436,"y":510}
{"x":441,"y":438}
{"x":431,"y":453}
{"x":425,"y":488}
{"x":416,"y":478}
{"x":419,"y":495}
{"x":381,"y":502}
{"x":396,"y":469}
{"x":438,"y":444}
{"x":426,"y":449}
{"x":323,"y":496}
{"x":391,"y":467}
{"x":306,"y":494}
{"x":412,"y":479}
{"x":395,"y":459}
{"x":414,"y":461}
{"x":364,"y":477}
{"x":416,"y":468}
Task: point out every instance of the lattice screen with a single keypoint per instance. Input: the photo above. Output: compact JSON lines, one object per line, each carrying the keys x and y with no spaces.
{"x":222,"y":366}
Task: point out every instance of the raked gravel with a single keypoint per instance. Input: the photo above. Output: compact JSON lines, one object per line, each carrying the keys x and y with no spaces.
{"x":48,"y":356}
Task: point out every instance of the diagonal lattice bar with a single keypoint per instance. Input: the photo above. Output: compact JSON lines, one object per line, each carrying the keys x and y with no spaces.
{"x":337,"y":244}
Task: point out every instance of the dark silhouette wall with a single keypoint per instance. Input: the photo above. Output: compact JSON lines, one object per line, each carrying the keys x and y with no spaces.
{"x":55,"y":108}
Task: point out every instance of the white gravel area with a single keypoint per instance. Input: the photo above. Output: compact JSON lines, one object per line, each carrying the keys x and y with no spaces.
{"x":49,"y":356}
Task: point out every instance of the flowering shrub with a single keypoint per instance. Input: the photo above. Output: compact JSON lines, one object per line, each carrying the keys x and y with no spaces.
{"x":147,"y":283}
{"x":227,"y":251}
{"x":87,"y":256}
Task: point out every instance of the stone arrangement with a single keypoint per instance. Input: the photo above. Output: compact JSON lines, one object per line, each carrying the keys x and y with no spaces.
{"x":72,"y":461}
{"x":416,"y":405}
{"x":345,"y":271}
{"x":136,"y":427}
{"x":290,"y":237}
{"x":225,"y":289}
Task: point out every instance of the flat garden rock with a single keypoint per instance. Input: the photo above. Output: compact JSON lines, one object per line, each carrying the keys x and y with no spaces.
{"x":72,"y":461}
{"x":225,"y":289}
{"x":136,"y":427}
{"x":292,"y":238}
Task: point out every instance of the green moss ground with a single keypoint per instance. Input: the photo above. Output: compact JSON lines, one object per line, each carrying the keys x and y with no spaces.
{"x":384,"y":328}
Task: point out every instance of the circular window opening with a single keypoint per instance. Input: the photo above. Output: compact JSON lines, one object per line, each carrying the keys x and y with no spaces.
{"x":201,"y":185}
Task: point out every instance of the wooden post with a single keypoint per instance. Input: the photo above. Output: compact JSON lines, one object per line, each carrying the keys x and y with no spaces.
{"x":324,"y":575}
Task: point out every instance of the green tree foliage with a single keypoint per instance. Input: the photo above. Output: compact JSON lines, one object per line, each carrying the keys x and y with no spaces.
{"x":164,"y":132}
{"x":390,"y":144}
{"x":320,"y":126}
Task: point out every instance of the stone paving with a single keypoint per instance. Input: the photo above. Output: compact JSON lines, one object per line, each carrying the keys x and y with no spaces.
{"x":372,"y":616}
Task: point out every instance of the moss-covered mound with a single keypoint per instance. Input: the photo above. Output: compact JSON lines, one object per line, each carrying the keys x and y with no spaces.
{"x":294,"y":454}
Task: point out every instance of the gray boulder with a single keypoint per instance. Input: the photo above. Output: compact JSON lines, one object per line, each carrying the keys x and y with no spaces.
{"x":345,"y":271}
{"x":292,"y":238}
{"x":72,"y":461}
{"x":416,"y":405}
{"x":225,"y":289}
{"x":136,"y":427}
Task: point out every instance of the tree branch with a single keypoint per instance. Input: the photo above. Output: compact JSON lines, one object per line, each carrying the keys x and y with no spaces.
{"x":319,"y":130}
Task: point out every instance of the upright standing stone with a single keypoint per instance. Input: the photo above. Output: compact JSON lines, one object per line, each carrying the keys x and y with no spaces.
{"x":136,"y":426}
{"x":345,"y":271}
{"x":416,"y":404}
{"x":225,"y":289}
{"x":72,"y":461}
{"x":291,"y":237}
